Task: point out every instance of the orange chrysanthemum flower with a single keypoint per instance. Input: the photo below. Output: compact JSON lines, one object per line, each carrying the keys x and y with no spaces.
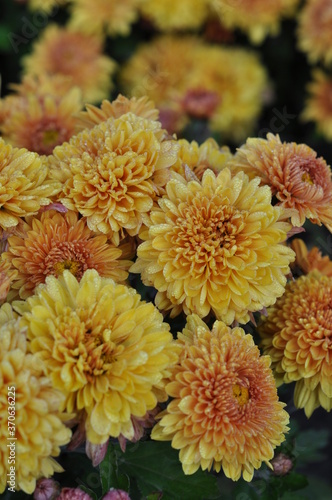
{"x":26,"y":394}
{"x":25,"y":185}
{"x":38,"y":120}
{"x":314,"y":31}
{"x":170,"y":15}
{"x":298,"y":179}
{"x":60,"y":51}
{"x":120,"y":106}
{"x":318,"y":106}
{"x":104,"y":348}
{"x":308,"y":260}
{"x":297,"y":335}
{"x":199,"y":158}
{"x":113,"y":172}
{"x":104,"y":16}
{"x":54,"y":242}
{"x":215,"y":245}
{"x":258,"y":18}
{"x":225,"y":411}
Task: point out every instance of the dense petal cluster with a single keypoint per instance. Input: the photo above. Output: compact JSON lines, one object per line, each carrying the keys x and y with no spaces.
{"x":104,"y":348}
{"x":314,"y":30}
{"x":170,"y":15}
{"x":225,"y":411}
{"x":299,"y":180}
{"x":297,"y":335}
{"x":25,"y":185}
{"x":318,"y":106}
{"x":109,"y":17}
{"x":258,"y":18}
{"x":186,"y":76}
{"x":38,"y":427}
{"x":199,"y":158}
{"x":53,"y":242}
{"x":215,"y":245}
{"x":113,"y":172}
{"x":60,"y":51}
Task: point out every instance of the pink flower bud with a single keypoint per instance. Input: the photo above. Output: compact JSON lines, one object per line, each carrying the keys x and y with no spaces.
{"x":73,"y":494}
{"x":281,"y":464}
{"x":114,"y":494}
{"x":96,"y":452}
{"x":46,"y":489}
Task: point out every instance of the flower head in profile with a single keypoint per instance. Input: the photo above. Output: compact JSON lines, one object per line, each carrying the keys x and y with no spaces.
{"x":299,"y":180}
{"x":308,"y":260}
{"x":169,"y":15}
{"x":225,"y":411}
{"x":60,"y":51}
{"x":101,"y":17}
{"x":318,"y":106}
{"x":53,"y":242}
{"x":93,"y":115}
{"x":257,"y":18}
{"x":215,"y":246}
{"x":25,"y":185}
{"x":113,"y":172}
{"x":297,"y":335}
{"x":38,"y":121}
{"x":39,"y":430}
{"x":199,"y":158}
{"x":104,"y":348}
{"x":314,"y":30}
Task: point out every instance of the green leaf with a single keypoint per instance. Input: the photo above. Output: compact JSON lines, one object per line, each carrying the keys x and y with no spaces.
{"x":308,"y":445}
{"x":109,"y":476}
{"x":156,"y":468}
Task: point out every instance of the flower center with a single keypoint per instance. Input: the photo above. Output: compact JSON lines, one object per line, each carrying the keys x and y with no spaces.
{"x":67,"y":255}
{"x":306,"y":177}
{"x":72,"y":266}
{"x":241,"y":394}
{"x":50,"y":137}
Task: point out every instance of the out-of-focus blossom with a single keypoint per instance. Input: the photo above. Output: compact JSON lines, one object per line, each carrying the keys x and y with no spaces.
{"x":318,"y":106}
{"x":308,"y":260}
{"x":315,"y":30}
{"x":169,"y":15}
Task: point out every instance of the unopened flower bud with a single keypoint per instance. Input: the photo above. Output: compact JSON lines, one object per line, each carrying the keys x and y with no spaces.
{"x":114,"y":494}
{"x":73,"y":494}
{"x":46,"y":489}
{"x":281,"y":464}
{"x":96,"y":452}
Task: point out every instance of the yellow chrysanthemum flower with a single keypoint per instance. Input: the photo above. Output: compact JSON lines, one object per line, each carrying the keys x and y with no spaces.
{"x":25,"y":185}
{"x":27,"y":395}
{"x":53,"y":242}
{"x":60,"y":51}
{"x":199,"y":158}
{"x":170,"y":15}
{"x":257,"y":18}
{"x":111,"y":17}
{"x":297,"y":335}
{"x":115,"y":109}
{"x":113,"y":172}
{"x":107,"y":351}
{"x":185,"y":76}
{"x":7,"y":276}
{"x":215,"y":245}
{"x":46,"y":5}
{"x":299,"y":180}
{"x":314,"y":30}
{"x":318,"y":106}
{"x":225,"y":411}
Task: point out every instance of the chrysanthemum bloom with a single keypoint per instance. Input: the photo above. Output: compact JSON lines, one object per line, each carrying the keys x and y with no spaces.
{"x":298,"y":179}
{"x":215,"y":245}
{"x":7,"y":275}
{"x":39,"y":430}
{"x":60,"y":51}
{"x":170,"y":15}
{"x":297,"y":335}
{"x":114,"y":171}
{"x":198,"y":158}
{"x":257,"y":18}
{"x":318,"y":106}
{"x":120,"y":106}
{"x":225,"y":411}
{"x":54,"y":242}
{"x":25,"y":185}
{"x":104,"y":348}
{"x":308,"y":260}
{"x":172,"y":69}
{"x":314,"y":30}
{"x":103,"y":16}
{"x":39,"y":122}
